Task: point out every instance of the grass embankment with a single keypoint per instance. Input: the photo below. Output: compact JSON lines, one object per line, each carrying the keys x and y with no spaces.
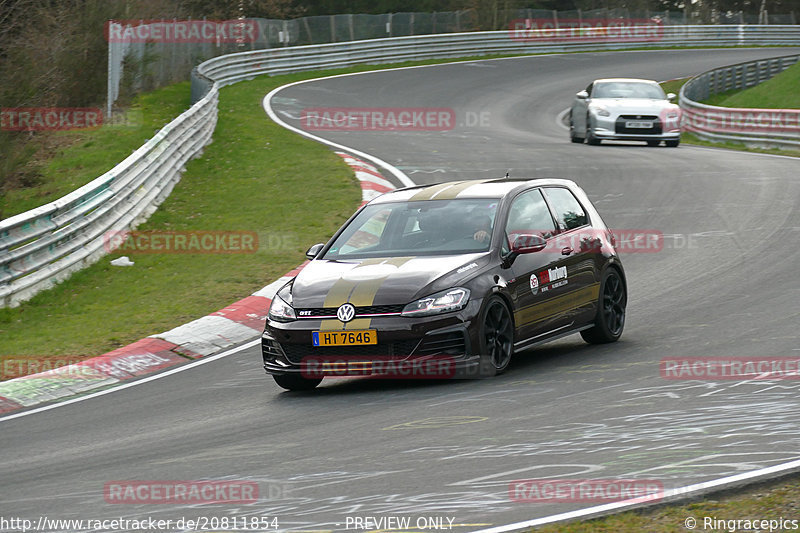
{"x":778,"y":93}
{"x":773,"y":501}
{"x":255,"y":176}
{"x":59,"y":162}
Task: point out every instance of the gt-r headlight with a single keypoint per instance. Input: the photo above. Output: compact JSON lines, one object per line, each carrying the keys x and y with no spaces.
{"x":441,"y":302}
{"x":600,"y":111}
{"x":281,"y":309}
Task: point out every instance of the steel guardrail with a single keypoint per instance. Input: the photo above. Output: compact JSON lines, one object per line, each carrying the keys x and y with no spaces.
{"x":762,"y":127}
{"x":45,"y":245}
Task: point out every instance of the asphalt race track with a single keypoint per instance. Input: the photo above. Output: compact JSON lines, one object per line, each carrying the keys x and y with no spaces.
{"x":724,"y":285}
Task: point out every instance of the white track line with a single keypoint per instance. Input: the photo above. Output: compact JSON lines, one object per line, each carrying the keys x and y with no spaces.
{"x":672,"y":494}
{"x":400,"y":175}
{"x":142,"y":381}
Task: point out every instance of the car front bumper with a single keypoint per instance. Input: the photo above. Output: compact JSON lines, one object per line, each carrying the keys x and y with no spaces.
{"x":438,"y":347}
{"x":614,"y":128}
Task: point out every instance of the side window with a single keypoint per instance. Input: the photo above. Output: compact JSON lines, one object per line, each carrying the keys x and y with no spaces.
{"x":568,"y":210}
{"x":589,"y":89}
{"x":529,"y":214}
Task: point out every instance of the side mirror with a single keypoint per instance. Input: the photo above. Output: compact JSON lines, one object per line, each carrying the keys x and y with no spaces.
{"x":671,"y":97}
{"x":524,"y":243}
{"x":583,"y":95}
{"x":312,"y":252}
{"x":527,"y":244}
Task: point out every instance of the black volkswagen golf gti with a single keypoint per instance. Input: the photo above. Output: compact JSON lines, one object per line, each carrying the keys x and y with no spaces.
{"x":448,"y":280}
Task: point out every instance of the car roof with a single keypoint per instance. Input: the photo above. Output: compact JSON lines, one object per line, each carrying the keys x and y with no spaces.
{"x":491,"y":188}
{"x":604,"y":80}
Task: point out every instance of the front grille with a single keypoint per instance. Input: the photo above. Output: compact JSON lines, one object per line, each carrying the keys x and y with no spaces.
{"x":296,"y":352}
{"x":316,"y":312}
{"x":451,"y":343}
{"x":619,"y":125}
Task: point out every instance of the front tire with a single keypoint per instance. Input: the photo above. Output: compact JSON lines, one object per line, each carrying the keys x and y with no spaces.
{"x":610,"y":319}
{"x":590,"y":138}
{"x":496,"y":335}
{"x":673,"y":144}
{"x":572,"y":137}
{"x":653,"y":143}
{"x":296,"y":382}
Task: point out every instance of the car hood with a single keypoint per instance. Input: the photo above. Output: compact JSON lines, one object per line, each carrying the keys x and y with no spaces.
{"x":381,"y":281}
{"x":634,"y":106}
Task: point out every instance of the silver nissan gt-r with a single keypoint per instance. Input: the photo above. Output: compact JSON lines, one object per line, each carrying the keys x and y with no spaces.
{"x":624,"y":109}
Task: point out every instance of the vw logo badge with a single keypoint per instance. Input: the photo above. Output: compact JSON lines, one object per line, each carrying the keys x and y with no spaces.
{"x":346,"y":312}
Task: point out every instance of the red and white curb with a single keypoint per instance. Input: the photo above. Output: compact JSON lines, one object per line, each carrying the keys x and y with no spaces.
{"x":232,"y":325}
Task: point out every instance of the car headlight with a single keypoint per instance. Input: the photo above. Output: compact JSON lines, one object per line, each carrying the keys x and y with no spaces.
{"x":600,"y":111}
{"x":281,"y":309}
{"x":441,"y":302}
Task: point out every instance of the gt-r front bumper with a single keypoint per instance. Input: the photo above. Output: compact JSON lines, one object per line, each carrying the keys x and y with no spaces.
{"x":617,"y":128}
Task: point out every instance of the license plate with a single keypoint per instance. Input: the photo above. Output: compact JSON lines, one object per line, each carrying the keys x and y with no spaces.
{"x":635,"y":124}
{"x":344,"y":338}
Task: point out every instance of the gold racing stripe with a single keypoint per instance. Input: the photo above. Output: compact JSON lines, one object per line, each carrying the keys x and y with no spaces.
{"x":451,"y":192}
{"x":560,"y":304}
{"x":358,"y":293}
{"x":428,"y":193}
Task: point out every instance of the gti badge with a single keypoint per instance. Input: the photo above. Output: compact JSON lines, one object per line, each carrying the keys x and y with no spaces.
{"x":346,"y":312}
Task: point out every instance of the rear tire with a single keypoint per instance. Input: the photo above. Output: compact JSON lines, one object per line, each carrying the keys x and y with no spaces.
{"x":610,"y":319}
{"x":296,"y":382}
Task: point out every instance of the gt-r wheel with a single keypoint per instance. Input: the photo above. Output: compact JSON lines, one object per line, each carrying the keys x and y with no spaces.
{"x":653,"y":143}
{"x":295,"y":382}
{"x":610,"y":319}
{"x":673,"y":144}
{"x":590,"y":138}
{"x":572,"y":137}
{"x":496,"y":335}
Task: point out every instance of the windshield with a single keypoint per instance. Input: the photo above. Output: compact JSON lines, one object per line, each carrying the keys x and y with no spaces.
{"x":432,"y":227}
{"x":627,"y":89}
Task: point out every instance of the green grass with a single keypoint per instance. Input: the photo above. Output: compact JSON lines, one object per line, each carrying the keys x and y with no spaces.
{"x":674,"y":86}
{"x":765,"y":501}
{"x":63,"y":161}
{"x":780,"y":92}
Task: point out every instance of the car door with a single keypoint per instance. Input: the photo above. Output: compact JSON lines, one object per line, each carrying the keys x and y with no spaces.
{"x":572,"y":280}
{"x":529,"y":214}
